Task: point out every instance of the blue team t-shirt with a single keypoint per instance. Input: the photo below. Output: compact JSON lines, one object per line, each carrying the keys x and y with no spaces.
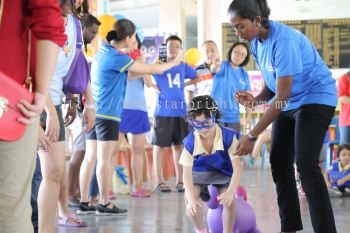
{"x":109,"y":75}
{"x":288,"y":52}
{"x":171,"y":99}
{"x":226,"y":83}
{"x":135,"y":95}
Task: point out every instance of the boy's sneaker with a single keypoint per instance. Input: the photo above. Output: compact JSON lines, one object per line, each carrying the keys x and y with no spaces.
{"x":103,"y":210}
{"x":334,"y":192}
{"x":85,"y":208}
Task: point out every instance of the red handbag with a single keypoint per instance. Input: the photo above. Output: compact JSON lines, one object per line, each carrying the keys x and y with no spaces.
{"x":11,"y":93}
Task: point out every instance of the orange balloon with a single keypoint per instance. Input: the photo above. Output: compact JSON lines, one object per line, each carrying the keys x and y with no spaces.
{"x":107,"y":22}
{"x":192,"y":56}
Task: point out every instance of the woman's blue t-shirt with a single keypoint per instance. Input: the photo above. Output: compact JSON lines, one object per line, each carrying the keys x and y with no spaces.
{"x":108,"y":81}
{"x":226,"y":83}
{"x":288,"y":52}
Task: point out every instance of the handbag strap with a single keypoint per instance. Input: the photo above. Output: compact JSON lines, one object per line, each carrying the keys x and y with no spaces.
{"x":28,"y":83}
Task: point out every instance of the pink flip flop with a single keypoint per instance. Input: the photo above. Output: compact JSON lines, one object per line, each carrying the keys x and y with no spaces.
{"x":71,"y":220}
{"x":112,"y":195}
{"x":140,"y":193}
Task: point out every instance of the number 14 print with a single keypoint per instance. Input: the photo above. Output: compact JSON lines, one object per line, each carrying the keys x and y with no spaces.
{"x":175,"y":82}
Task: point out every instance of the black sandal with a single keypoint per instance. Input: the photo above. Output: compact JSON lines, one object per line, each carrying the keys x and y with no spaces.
{"x":104,"y":210}
{"x":161,"y":187}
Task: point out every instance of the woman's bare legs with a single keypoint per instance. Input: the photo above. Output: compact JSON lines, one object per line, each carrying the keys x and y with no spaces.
{"x":52,"y":168}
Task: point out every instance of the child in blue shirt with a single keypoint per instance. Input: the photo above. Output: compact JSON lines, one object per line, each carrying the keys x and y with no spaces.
{"x":169,"y":125}
{"x":337,"y":177}
{"x":208,"y":159}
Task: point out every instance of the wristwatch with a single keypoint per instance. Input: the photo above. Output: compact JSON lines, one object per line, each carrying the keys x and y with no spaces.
{"x":91,"y":106}
{"x":251,"y":137}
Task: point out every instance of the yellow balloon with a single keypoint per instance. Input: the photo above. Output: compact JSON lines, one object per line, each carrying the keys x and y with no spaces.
{"x":192,"y":56}
{"x":107,"y":22}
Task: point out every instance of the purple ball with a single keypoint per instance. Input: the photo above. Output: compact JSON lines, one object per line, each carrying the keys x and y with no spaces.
{"x":214,"y":220}
{"x":245,"y":218}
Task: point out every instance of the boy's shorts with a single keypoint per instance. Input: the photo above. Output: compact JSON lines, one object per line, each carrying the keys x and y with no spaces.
{"x":169,"y":131}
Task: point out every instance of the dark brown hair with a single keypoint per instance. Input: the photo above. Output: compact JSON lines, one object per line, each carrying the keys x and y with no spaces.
{"x":249,"y":9}
{"x":82,"y":10}
{"x":173,"y":37}
{"x":342,"y":147}
{"x":203,"y":104}
{"x":122,"y":29}
{"x":89,"y":20}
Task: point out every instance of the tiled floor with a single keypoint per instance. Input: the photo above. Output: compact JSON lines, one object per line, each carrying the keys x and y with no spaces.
{"x":166,"y":213}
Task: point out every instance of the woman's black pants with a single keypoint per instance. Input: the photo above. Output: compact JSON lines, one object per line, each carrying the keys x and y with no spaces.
{"x":297,"y":136}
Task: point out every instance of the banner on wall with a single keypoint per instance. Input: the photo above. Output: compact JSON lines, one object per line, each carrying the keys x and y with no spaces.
{"x":150,"y":47}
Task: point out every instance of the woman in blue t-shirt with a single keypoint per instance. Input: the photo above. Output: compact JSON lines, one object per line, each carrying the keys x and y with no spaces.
{"x":135,"y":124}
{"x":109,"y":73}
{"x":303,"y":95}
{"x":229,"y":79}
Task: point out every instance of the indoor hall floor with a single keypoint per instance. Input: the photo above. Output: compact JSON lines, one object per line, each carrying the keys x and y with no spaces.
{"x":165,"y":212}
